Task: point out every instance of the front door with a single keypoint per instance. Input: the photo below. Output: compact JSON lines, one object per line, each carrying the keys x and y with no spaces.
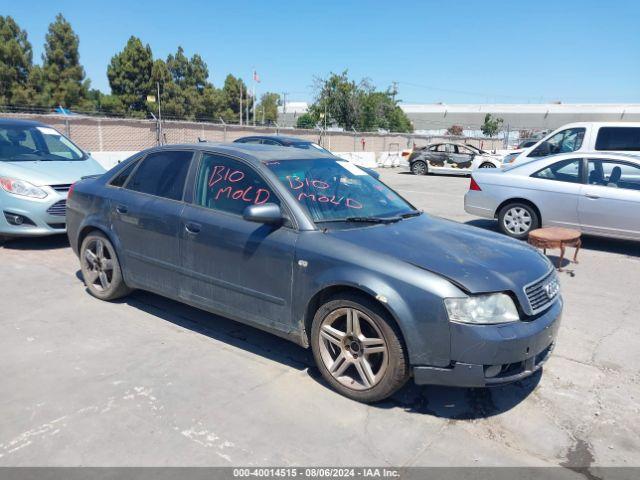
{"x":610,"y":201}
{"x":146,"y":217}
{"x":232,"y":266}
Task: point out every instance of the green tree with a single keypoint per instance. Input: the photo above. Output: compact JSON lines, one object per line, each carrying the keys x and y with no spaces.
{"x":357,"y":105}
{"x":64,"y":77}
{"x":491,"y":126}
{"x":231,"y":97}
{"x":306,"y":120}
{"x":16,"y":58}
{"x":130,"y":73}
{"x":267,"y":109}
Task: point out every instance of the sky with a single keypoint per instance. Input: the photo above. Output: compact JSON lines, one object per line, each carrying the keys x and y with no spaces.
{"x":490,"y":51}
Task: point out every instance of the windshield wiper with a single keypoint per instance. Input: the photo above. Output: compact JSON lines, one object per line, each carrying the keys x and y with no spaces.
{"x":373,"y":219}
{"x":415,"y":213}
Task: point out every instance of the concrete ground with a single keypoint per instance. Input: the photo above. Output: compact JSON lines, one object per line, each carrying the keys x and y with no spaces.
{"x":148,"y":381}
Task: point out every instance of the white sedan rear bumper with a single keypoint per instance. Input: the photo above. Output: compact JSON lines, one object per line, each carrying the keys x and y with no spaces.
{"x":480,"y":204}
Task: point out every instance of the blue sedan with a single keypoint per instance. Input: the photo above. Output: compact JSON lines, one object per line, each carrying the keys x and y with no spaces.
{"x":312,"y":248}
{"x":37,"y":167}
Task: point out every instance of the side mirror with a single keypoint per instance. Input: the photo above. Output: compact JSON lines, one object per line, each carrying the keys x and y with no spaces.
{"x":542,"y":150}
{"x":268,"y":213}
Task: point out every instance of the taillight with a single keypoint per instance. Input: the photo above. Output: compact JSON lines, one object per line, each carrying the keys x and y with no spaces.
{"x":70,"y":190}
{"x":405,"y":153}
{"x":473,"y":185}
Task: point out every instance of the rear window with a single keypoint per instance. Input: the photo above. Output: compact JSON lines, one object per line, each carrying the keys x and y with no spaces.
{"x":618,"y":138}
{"x":162,"y":174}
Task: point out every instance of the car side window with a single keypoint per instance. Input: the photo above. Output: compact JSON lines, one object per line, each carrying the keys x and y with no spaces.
{"x":230,"y":185}
{"x":613,"y":174}
{"x":432,"y":148}
{"x":266,"y":141}
{"x":564,"y":171}
{"x":122,"y":177}
{"x":566,"y":141}
{"x":162,"y":174}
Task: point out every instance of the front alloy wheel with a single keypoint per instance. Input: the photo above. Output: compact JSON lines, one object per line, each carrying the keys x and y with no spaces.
{"x":487,"y":165}
{"x":353,"y":349}
{"x":358,"y":349}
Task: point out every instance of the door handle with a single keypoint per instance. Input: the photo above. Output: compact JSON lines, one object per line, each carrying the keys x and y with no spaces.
{"x":591,"y":195}
{"x":192,"y":228}
{"x":122,"y":209}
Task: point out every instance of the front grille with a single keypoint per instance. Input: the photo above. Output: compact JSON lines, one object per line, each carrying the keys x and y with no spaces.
{"x":63,"y":187}
{"x":59,"y":209}
{"x":537,"y":294}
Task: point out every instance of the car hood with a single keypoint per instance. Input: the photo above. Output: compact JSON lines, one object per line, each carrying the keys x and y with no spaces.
{"x":51,"y":173}
{"x":475,"y":259}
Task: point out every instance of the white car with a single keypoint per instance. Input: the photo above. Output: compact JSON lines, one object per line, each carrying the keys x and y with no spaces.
{"x":451,"y":158}
{"x":619,"y":137}
{"x":596,"y":193}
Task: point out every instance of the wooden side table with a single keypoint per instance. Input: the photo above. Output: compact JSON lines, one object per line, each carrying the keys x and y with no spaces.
{"x":556,"y":237}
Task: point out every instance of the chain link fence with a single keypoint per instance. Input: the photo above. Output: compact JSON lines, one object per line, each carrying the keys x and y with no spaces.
{"x":104,"y":134}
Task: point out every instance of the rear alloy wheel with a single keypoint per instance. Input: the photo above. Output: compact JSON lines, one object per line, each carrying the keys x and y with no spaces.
{"x":518,"y":219}
{"x":487,"y":165}
{"x":419,"y":168}
{"x":358,"y":350}
{"x":101,"y":269}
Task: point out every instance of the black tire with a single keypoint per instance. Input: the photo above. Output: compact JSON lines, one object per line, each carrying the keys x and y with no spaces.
{"x":419,"y":168}
{"x":392,"y":366}
{"x":107,"y":264}
{"x":519,"y":227}
{"x":487,"y":165}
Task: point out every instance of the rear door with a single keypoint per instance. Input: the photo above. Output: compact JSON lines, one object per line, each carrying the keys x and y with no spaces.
{"x":461,"y":158}
{"x":146,"y":216}
{"x":555,"y":190}
{"x":235,"y":267}
{"x":609,"y":203}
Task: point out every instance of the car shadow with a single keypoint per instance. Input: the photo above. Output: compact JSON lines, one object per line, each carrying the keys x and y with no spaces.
{"x":450,"y":175}
{"x":52,"y":242}
{"x":442,"y":402}
{"x":600,"y":244}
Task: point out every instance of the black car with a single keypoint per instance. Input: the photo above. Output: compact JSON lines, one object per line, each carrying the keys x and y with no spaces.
{"x":281,"y":141}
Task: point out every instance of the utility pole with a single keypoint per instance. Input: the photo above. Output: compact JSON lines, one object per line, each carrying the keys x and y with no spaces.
{"x":395,"y":90}
{"x":159,"y":114}
{"x":253,"y":103}
{"x":284,"y":102}
{"x":240,"y":104}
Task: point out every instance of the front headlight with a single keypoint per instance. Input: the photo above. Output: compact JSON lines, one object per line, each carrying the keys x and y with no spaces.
{"x":20,"y":187}
{"x":482,"y":309}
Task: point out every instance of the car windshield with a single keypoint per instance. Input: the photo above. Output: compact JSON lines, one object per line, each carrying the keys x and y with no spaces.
{"x":334,"y":190}
{"x":28,"y":144}
{"x":309,"y":146}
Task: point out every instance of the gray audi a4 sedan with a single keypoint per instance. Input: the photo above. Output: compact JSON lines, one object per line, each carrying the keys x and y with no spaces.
{"x":312,"y":248}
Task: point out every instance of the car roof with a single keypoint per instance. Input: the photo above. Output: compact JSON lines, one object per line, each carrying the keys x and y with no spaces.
{"x":550,"y":159}
{"x":19,"y":122}
{"x":281,"y":138}
{"x":253,"y":152}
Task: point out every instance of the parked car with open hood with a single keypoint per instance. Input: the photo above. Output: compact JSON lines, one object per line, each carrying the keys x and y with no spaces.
{"x":311,"y":248}
{"x":596,"y":193}
{"x":450,"y":158}
{"x":38,"y":165}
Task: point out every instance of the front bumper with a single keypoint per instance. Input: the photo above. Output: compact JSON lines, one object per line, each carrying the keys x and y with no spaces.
{"x":39,"y":220}
{"x":520,"y":349}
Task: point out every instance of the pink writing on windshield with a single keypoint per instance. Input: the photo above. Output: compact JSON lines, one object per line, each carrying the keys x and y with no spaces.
{"x":307,"y":189}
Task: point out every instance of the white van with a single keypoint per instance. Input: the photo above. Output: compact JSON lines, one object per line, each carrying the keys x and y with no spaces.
{"x":616,"y":137}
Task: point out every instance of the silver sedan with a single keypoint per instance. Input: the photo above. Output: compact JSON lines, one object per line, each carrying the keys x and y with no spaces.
{"x":598,"y":194}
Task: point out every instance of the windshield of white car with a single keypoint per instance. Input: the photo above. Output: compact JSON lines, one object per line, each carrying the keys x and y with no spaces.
{"x":334,"y":190}
{"x":28,"y":144}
